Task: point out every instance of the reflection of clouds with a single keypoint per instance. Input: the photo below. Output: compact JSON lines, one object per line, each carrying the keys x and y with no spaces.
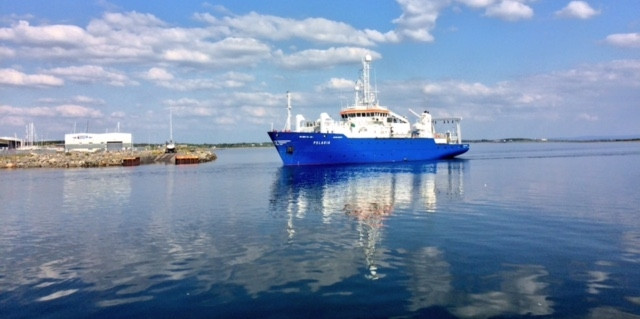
{"x":56,"y":270}
{"x":631,"y":244}
{"x":610,"y":312}
{"x":267,"y":269}
{"x":522,"y":293}
{"x":521,"y":289}
{"x":429,"y":279}
{"x":58,"y":294}
{"x":121,"y":301}
{"x":635,"y":300}
{"x":596,"y":281}
{"x":601,"y":282}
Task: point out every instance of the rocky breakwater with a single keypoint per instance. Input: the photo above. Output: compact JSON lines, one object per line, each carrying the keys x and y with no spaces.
{"x":96,"y":159}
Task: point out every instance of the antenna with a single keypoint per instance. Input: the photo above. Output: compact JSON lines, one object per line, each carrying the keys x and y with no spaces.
{"x":287,"y":126}
{"x":364,"y":84}
{"x":367,"y":79}
{"x":171,"y":125}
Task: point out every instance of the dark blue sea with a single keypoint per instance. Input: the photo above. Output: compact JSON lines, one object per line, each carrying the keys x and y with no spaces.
{"x":512,"y":230}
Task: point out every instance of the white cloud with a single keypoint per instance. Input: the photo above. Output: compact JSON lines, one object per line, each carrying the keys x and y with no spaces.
{"x":118,"y":38}
{"x":125,"y":21}
{"x":65,"y":110}
{"x":11,"y":120}
{"x":226,"y":42}
{"x":239,"y":77}
{"x":62,"y":35}
{"x":78,"y":99}
{"x":627,"y":40}
{"x":12,"y":77}
{"x":477,"y":3}
{"x":275,"y":28}
{"x":418,"y":18}
{"x":225,"y":81}
{"x":510,"y":10}
{"x":580,"y":93}
{"x":118,"y":114}
{"x":226,"y":53}
{"x":323,"y":58}
{"x":191,"y":84}
{"x":87,"y":100}
{"x":577,"y":9}
{"x":158,"y":74}
{"x":229,"y":108}
{"x":619,"y":73}
{"x":7,"y":52}
{"x":184,"y":55}
{"x":77,"y":111}
{"x":92,"y":74}
{"x":189,"y":102}
{"x":253,"y":111}
{"x":337,"y":84}
{"x":463,"y":89}
{"x":587,"y":117}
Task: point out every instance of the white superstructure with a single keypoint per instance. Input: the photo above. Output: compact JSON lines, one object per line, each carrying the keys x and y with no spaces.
{"x":366,"y":118}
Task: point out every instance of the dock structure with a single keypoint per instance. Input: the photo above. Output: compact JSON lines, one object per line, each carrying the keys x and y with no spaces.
{"x":131,"y":161}
{"x":187,"y":159}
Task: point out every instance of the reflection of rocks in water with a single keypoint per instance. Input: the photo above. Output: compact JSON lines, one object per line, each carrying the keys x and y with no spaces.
{"x":522,"y":293}
{"x":370,"y":219}
{"x":430,"y":279}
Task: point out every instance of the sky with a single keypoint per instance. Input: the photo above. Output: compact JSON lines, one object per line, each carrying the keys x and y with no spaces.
{"x":508,"y":68}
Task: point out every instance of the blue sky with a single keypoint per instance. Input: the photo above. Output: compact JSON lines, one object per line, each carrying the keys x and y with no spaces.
{"x":509,"y":68}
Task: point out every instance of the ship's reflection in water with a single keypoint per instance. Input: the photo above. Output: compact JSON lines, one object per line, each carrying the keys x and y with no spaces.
{"x":370,"y":196}
{"x":367,"y":194}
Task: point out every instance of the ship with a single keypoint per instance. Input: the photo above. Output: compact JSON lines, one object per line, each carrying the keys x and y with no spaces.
{"x":367,"y":133}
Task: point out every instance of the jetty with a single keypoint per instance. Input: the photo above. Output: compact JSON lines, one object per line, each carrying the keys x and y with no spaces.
{"x":56,"y":159}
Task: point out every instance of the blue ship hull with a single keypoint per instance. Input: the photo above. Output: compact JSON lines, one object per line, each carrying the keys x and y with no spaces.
{"x":324,"y":149}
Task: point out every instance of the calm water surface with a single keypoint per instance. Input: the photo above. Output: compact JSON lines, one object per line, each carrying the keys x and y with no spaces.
{"x":510,"y":230}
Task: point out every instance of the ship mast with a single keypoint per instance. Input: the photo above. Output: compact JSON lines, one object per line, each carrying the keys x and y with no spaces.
{"x":170,"y":125}
{"x":368,"y":95}
{"x":287,"y":126}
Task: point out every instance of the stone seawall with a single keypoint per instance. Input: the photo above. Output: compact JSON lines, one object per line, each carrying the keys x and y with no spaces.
{"x":97,"y":159}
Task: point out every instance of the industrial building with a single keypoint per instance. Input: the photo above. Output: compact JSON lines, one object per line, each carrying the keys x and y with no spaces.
{"x":10,"y":143}
{"x":88,"y":142}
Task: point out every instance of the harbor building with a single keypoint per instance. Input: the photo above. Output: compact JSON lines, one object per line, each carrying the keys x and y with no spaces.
{"x":90,"y":142}
{"x":10,"y":143}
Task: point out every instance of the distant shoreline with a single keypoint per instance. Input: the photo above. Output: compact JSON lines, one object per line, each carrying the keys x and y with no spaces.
{"x":542,"y":140}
